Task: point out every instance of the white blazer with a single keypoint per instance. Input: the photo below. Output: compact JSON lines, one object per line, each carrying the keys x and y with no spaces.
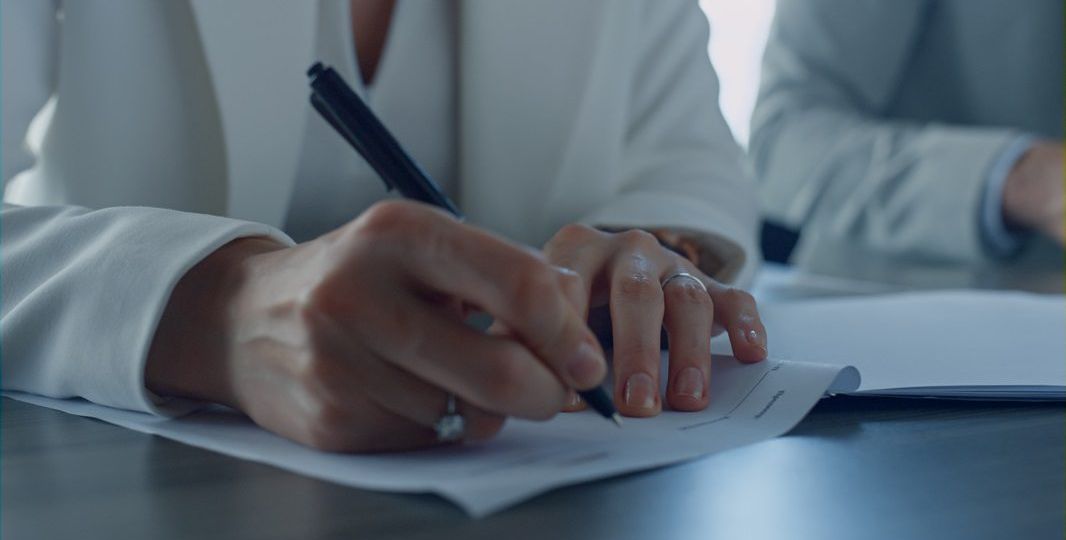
{"x":177,"y":128}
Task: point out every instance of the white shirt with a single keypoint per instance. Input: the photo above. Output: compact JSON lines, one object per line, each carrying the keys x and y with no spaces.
{"x":413,"y":93}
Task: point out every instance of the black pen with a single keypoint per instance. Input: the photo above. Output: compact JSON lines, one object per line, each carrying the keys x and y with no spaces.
{"x":353,"y":120}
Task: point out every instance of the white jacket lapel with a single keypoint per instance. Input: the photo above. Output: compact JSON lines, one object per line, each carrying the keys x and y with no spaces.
{"x":524,"y":68}
{"x":257,"y":52}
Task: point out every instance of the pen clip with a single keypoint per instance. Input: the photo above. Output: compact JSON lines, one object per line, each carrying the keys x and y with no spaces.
{"x":331,"y":118}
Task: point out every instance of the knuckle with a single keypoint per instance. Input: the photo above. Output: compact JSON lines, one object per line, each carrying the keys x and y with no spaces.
{"x":390,"y":218}
{"x":575,"y":232}
{"x":639,"y":286}
{"x":578,"y":230}
{"x":638,"y":239}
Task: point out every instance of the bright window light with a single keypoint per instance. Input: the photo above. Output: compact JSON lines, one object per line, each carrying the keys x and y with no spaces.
{"x":738,"y":36}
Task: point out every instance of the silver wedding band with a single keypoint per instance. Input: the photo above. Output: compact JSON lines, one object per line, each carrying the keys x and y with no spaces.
{"x":685,"y":275}
{"x":451,"y":426}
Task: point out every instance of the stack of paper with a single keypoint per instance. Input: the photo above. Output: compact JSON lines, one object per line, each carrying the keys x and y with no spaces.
{"x":962,"y":344}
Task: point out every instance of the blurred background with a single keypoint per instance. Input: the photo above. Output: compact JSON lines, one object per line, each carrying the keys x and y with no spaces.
{"x":738,"y":35}
{"x":739,"y":29}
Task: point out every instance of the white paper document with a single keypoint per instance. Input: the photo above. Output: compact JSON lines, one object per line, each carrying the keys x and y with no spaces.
{"x":749,"y":403}
{"x":966,"y":344}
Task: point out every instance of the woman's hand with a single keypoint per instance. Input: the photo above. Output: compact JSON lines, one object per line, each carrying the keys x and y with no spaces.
{"x":623,"y":273}
{"x":352,"y":342}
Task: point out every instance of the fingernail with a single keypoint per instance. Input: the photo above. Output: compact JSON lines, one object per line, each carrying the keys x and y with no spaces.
{"x":573,"y":400}
{"x":756,"y":339}
{"x":587,"y":366}
{"x":640,"y":391}
{"x":689,"y":383}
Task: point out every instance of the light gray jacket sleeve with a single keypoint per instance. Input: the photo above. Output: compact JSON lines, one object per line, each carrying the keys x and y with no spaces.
{"x":83,"y":290}
{"x":831,"y":163}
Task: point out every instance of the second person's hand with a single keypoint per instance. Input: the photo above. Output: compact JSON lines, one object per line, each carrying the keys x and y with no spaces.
{"x":1033,"y":195}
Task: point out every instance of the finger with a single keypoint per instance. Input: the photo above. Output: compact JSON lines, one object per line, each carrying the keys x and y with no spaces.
{"x":329,"y":408}
{"x":581,"y":249}
{"x":636,"y":305}
{"x":495,"y":373}
{"x":410,"y":397}
{"x":575,"y":287}
{"x":512,"y":284}
{"x":574,"y":403}
{"x":736,"y":311}
{"x":689,"y":314}
{"x":393,"y":391}
{"x":368,"y":429}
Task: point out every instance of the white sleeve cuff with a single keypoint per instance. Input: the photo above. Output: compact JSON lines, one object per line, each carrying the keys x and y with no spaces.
{"x":998,"y":239}
{"x":84,"y":291}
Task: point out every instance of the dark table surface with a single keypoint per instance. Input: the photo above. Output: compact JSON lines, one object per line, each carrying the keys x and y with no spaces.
{"x":854,"y":468}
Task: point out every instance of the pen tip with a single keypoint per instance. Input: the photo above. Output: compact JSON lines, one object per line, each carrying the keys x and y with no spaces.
{"x":616,"y":419}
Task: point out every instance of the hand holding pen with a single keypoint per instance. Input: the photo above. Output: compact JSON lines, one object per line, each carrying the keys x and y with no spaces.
{"x":356,"y":123}
{"x":352,"y":341}
{"x":645,"y":283}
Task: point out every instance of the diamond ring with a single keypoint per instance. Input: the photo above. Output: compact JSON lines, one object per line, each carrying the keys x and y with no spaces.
{"x":451,"y":426}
